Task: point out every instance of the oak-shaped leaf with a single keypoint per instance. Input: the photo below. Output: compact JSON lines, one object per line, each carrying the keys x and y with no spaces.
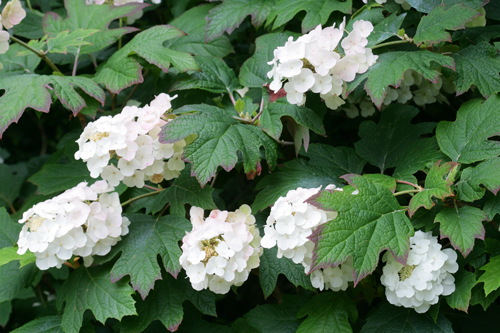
{"x":462,"y":226}
{"x":490,"y":275}
{"x":386,"y":29}
{"x":486,"y":173}
{"x":90,"y":288}
{"x":367,"y":223}
{"x":464,"y":282}
{"x":121,"y":71}
{"x":436,"y":185}
{"x":466,"y":139}
{"x":48,"y":324}
{"x":31,"y":90}
{"x":428,"y":5}
{"x":432,"y":27}
{"x":164,"y":303}
{"x":219,"y":138}
{"x":16,"y":65}
{"x":328,"y":312}
{"x":390,"y":69}
{"x":385,"y":143}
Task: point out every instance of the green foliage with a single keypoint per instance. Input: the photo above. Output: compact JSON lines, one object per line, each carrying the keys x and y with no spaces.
{"x":485,"y":173}
{"x":15,"y":65}
{"x":425,"y":6}
{"x":490,"y":276}
{"x":54,"y":177}
{"x":48,"y":324}
{"x":464,"y":282}
{"x":8,"y":254}
{"x":386,"y":29}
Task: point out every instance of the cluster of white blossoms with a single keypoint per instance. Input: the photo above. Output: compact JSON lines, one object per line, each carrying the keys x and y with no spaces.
{"x":289,"y":224}
{"x":132,"y":137}
{"x":83,"y":221}
{"x":221,"y":250}
{"x":12,"y":14}
{"x":314,"y":62}
{"x":426,"y":276}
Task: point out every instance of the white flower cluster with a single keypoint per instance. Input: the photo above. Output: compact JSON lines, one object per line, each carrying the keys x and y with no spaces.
{"x":426,"y":276}
{"x":221,"y":250}
{"x":132,"y":137}
{"x":83,"y":221}
{"x":290,"y":223}
{"x":313,"y":62}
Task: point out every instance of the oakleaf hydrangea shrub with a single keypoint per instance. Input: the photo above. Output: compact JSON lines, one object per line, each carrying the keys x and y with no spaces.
{"x":249,"y":166}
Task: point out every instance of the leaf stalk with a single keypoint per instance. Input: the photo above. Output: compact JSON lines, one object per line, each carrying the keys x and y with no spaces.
{"x":41,"y":54}
{"x":140,"y":197}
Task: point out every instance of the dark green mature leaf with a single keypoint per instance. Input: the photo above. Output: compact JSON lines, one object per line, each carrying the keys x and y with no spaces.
{"x":466,"y":139}
{"x":5,"y":311}
{"x":254,"y":71}
{"x":193,"y":322}
{"x":486,"y":173}
{"x":436,"y":185}
{"x":65,"y":39}
{"x":271,"y":266}
{"x":193,"y":23}
{"x":464,"y":282}
{"x":9,"y":231}
{"x":478,"y":297}
{"x":386,"y":29}
{"x":23,"y":91}
{"x":490,"y":275}
{"x":90,"y":288}
{"x":215,"y":76}
{"x":269,"y":318}
{"x":148,"y":238}
{"x":13,"y":279}
{"x":317,"y":12}
{"x":18,"y":65}
{"x":82,"y":16}
{"x":389,"y":318}
{"x":10,"y":185}
{"x":385,"y":143}
{"x":476,"y":35}
{"x":367,"y":223}
{"x":325,"y":166}
{"x":390,"y":69}
{"x":50,"y":324}
{"x":228,"y":15}
{"x":492,"y":206}
{"x":425,"y":6}
{"x":219,"y":138}
{"x":270,"y":120}
{"x":121,"y":71}
{"x":477,"y":65}
{"x":54,"y":178}
{"x":432,"y":28}
{"x":164,"y":303}
{"x":462,"y":226}
{"x":328,"y":312}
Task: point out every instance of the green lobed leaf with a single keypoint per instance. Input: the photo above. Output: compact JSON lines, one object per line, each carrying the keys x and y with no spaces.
{"x":425,"y":6}
{"x":328,"y":312}
{"x":386,"y":29}
{"x":9,"y":231}
{"x":384,"y":144}
{"x":462,"y":226}
{"x":49,"y":324}
{"x":389,"y":318}
{"x":325,"y":166}
{"x":490,"y":275}
{"x":164,"y":303}
{"x":432,"y":28}
{"x":466,"y":139}
{"x":8,"y":254}
{"x":193,"y":322}
{"x":90,"y":288}
{"x":219,"y":138}
{"x":121,"y":71}
{"x":492,"y":206}
{"x":367,"y":223}
{"x":436,"y":185}
{"x":230,"y":14}
{"x":30,"y":27}
{"x":148,"y":238}
{"x":10,"y":185}
{"x":476,"y":35}
{"x":460,"y":298}
{"x":317,"y":12}
{"x":390,"y":69}
{"x":270,"y":120}
{"x":5,"y":312}
{"x":54,"y":177}
{"x":486,"y":173}
{"x":271,"y":266}
{"x":478,"y":297}
{"x":13,"y":279}
{"x":384,"y":180}
{"x":18,"y":65}
{"x":23,"y":91}
{"x":65,"y":39}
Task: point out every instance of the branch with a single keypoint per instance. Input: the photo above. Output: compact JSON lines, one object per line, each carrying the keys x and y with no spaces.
{"x":140,"y":197}
{"x":38,"y":53}
{"x":260,"y":110}
{"x":403,"y":41}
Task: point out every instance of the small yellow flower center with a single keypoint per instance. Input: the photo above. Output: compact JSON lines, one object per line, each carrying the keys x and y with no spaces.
{"x":406,"y":272}
{"x":98,"y":136}
{"x":157,"y":178}
{"x":35,"y":222}
{"x":209,"y":247}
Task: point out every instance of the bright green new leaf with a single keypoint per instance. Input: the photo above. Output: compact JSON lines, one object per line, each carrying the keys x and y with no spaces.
{"x":219,"y":138}
{"x":461,"y":225}
{"x":164,"y":303}
{"x":49,"y":324}
{"x":271,"y":266}
{"x":15,"y":65}
{"x":425,"y":6}
{"x":486,"y":173}
{"x":385,"y":143}
{"x":10,"y":185}
{"x":8,"y":254}
{"x":317,"y":12}
{"x":122,"y":71}
{"x":82,"y":16}
{"x":65,"y":39}
{"x":23,"y":91}
{"x":215,"y":76}
{"x":367,"y":223}
{"x":90,"y":288}
{"x":432,"y":28}
{"x":328,"y":312}
{"x":390,"y":69}
{"x":386,"y":29}
{"x":270,"y":120}
{"x":390,"y":318}
{"x":269,"y":318}
{"x":54,"y":177}
{"x":490,"y":276}
{"x":464,"y":282}
{"x":436,"y":185}
{"x":325,"y":166}
{"x":228,"y":15}
{"x":466,"y":139}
